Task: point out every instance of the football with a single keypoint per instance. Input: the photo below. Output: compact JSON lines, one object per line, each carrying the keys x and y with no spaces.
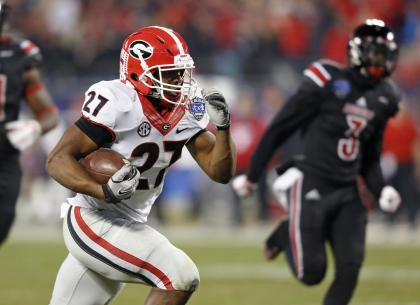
{"x":102,"y":163}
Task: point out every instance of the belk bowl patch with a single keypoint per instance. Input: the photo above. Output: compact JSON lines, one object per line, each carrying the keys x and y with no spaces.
{"x":341,"y":88}
{"x":197,"y":108}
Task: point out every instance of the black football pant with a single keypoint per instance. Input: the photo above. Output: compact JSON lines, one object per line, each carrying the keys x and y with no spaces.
{"x":10,"y":177}
{"x":320,"y":211}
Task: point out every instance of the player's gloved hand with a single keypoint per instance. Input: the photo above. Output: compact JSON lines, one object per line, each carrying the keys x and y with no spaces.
{"x":22,"y":134}
{"x":242,"y":186}
{"x":122,"y":184}
{"x":217,"y":108}
{"x":390,"y":199}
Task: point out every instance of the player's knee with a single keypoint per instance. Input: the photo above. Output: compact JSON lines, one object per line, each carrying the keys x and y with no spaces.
{"x":187,"y":277}
{"x":313,"y":276}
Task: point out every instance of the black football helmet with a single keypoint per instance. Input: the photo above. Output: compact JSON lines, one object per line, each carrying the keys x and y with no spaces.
{"x":372,"y":50}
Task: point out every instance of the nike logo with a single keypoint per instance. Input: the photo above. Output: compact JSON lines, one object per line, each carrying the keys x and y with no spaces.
{"x":179,"y":130}
{"x":124,"y":192}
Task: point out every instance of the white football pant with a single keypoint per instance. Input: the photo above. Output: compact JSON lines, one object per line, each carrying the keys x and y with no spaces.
{"x":107,"y":250}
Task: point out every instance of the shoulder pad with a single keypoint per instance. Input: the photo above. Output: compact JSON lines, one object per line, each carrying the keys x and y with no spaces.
{"x":99,"y":105}
{"x":119,"y":112}
{"x":321,"y":72}
{"x":394,"y":93}
{"x":331,"y":64}
{"x":123,"y":97}
{"x":393,"y":89}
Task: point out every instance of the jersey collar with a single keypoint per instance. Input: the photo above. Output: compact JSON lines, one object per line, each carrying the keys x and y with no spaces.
{"x":163,"y":124}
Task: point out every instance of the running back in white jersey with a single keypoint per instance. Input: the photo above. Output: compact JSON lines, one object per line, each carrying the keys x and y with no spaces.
{"x":151,"y":142}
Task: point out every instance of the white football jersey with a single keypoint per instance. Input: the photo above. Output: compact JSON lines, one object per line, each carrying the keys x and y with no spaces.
{"x":151,"y":142}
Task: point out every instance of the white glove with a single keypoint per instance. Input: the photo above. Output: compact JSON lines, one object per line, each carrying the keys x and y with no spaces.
{"x":242,"y":186}
{"x":22,"y":134}
{"x":122,"y":184}
{"x":217,"y":108}
{"x":390,"y":199}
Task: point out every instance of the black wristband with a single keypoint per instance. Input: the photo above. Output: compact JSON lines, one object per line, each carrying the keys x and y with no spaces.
{"x":109,"y":195}
{"x":224,"y":127}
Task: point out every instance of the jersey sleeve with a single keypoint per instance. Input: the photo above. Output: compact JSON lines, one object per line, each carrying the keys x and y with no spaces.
{"x":370,"y":165}
{"x":316,"y":74}
{"x":98,"y":111}
{"x":371,"y":154}
{"x":300,"y":109}
{"x":394,"y":95}
{"x":32,"y":53}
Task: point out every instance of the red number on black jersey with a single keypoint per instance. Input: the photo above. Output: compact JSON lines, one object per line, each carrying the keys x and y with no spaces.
{"x":348,"y":148}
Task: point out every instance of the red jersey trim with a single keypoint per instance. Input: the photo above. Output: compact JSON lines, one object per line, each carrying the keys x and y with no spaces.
{"x":45,"y":110}
{"x":34,"y":89}
{"x":164,"y":125}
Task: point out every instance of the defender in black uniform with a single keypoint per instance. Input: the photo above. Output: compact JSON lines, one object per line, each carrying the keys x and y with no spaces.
{"x":341,"y":113}
{"x":19,"y":78}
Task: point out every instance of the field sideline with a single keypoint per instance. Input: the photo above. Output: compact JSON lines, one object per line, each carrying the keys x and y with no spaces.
{"x":232,"y":273}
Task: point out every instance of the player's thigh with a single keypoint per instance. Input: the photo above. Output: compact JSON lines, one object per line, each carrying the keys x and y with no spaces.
{"x":306,"y":228}
{"x":127,"y":251}
{"x":77,"y":285}
{"x":348,"y":231}
{"x":10,"y":178}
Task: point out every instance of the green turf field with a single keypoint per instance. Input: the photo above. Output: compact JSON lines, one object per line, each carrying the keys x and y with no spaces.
{"x":230,"y":275}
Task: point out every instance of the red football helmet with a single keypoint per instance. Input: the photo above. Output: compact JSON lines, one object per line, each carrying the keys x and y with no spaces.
{"x":150,"y":52}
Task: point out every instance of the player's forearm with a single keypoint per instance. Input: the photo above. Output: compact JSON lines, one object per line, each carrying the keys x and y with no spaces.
{"x":222,"y":165}
{"x":273,"y":137}
{"x":69,"y":173}
{"x":48,"y":121}
{"x":374,"y":179}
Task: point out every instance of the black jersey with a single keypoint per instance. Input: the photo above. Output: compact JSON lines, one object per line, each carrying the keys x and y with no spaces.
{"x":16,"y":56}
{"x":342,"y":119}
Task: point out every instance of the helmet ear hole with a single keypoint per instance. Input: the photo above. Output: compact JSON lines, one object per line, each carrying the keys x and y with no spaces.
{"x":134,"y":77}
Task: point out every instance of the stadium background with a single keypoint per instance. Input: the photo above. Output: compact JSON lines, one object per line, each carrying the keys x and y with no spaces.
{"x":254,"y":51}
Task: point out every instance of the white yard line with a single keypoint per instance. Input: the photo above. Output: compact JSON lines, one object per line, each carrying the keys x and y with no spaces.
{"x":270,"y":271}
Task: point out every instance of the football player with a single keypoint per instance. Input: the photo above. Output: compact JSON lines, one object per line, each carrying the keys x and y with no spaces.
{"x":148,"y":115}
{"x":20,"y":78}
{"x":341,"y":113}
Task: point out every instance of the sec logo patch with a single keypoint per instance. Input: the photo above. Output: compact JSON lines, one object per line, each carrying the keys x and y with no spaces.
{"x":144,"y":129}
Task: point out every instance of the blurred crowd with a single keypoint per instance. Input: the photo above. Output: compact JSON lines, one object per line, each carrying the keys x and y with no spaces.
{"x":255,"y":49}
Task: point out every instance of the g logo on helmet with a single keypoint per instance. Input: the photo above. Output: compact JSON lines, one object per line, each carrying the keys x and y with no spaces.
{"x":140,"y":48}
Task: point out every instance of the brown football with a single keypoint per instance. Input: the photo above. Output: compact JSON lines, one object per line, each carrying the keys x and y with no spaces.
{"x":102,"y":163}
